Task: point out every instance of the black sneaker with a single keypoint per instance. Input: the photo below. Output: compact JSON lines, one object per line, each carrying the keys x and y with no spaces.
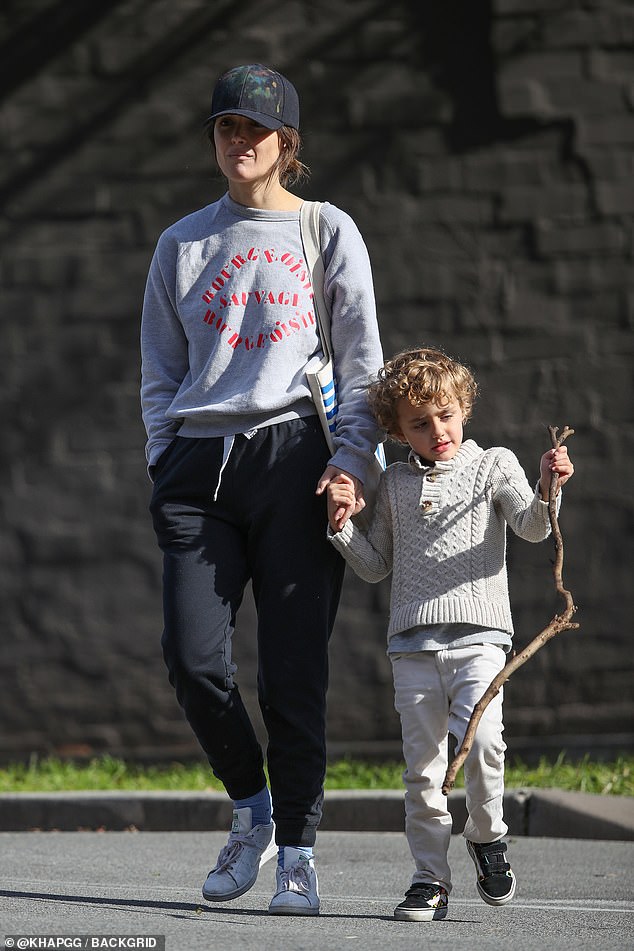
{"x":496,"y":882}
{"x":423,"y":902}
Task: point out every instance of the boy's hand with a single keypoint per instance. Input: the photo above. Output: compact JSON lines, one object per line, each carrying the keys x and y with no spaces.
{"x":341,"y":501}
{"x":344,"y":495}
{"x":555,"y":460}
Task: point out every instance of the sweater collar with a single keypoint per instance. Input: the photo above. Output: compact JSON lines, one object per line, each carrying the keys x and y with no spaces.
{"x":256,"y":214}
{"x":468,"y":451}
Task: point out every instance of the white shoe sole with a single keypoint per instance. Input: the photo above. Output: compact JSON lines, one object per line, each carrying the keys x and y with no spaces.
{"x":412,"y":914}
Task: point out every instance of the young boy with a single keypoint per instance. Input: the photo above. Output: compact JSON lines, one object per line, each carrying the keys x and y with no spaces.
{"x":439,"y":526}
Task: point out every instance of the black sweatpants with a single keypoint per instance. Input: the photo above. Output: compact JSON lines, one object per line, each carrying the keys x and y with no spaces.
{"x":268,"y":525}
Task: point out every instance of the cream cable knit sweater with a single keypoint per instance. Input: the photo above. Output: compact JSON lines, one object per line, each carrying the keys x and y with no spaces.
{"x":441,"y":530}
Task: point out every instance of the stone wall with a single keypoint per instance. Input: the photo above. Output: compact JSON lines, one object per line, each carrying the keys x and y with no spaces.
{"x":486,"y":150}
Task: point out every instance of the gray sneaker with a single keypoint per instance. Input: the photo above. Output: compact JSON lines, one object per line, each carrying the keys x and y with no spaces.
{"x":241,"y":858}
{"x":297,"y":889}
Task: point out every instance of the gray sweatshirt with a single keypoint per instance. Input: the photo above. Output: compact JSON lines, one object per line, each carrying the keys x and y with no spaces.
{"x":228,"y":328}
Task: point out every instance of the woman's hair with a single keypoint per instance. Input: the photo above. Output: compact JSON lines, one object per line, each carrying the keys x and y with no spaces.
{"x":288,"y":167}
{"x":420,"y":375}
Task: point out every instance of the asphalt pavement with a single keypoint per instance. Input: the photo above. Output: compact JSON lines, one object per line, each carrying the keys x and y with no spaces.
{"x":107,"y":888}
{"x":122,"y":870}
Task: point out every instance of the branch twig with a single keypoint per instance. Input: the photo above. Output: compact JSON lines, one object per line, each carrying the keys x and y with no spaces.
{"x":560,"y":622}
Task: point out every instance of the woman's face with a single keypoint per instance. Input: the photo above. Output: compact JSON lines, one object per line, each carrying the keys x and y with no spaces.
{"x":245,"y":151}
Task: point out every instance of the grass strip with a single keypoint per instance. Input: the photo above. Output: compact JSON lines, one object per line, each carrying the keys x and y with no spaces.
{"x":109,"y":773}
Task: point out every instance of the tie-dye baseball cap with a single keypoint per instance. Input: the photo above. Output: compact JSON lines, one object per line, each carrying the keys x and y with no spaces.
{"x":259,"y":93}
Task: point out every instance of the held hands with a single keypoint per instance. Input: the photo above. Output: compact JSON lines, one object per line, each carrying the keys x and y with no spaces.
{"x":344,"y":494}
{"x":555,"y":460}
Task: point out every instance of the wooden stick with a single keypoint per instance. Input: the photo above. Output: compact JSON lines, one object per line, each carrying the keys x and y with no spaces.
{"x":561,"y":622}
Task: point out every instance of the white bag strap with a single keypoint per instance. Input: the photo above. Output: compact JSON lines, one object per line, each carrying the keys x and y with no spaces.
{"x":309,"y":228}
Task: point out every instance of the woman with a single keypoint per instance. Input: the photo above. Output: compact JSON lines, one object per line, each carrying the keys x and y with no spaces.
{"x":240,"y":466}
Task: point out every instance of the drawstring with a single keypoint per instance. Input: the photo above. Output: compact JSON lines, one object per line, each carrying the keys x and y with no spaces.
{"x":226,"y":451}
{"x":227,"y":446}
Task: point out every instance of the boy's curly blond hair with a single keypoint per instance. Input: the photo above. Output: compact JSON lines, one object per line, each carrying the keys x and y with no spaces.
{"x":420,"y":375}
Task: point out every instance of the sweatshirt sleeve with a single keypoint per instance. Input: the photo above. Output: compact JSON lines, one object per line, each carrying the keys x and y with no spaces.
{"x":521,"y":506}
{"x":349,"y":289}
{"x":370,"y":556}
{"x":164,"y":350}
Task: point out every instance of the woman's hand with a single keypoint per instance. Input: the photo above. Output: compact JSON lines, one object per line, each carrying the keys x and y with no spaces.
{"x":344,"y":495}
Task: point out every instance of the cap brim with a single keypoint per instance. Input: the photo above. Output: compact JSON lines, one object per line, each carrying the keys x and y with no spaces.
{"x":269,"y":122}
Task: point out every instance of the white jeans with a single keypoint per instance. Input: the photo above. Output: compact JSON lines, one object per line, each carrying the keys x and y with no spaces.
{"x":435,"y":693}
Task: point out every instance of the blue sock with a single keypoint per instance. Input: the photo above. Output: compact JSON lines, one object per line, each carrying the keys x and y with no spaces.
{"x":260,"y":806}
{"x":304,"y":849}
